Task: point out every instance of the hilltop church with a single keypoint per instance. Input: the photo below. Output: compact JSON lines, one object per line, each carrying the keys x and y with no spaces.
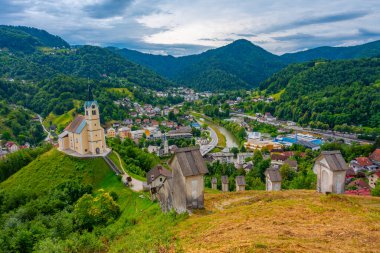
{"x":84,"y":136}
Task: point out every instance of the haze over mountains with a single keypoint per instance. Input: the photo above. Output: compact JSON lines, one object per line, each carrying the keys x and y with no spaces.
{"x":240,"y":64}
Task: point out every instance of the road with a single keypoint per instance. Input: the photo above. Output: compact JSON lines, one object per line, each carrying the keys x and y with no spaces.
{"x":135,"y":185}
{"x":204,"y":149}
{"x":48,"y":137}
{"x":334,"y":135}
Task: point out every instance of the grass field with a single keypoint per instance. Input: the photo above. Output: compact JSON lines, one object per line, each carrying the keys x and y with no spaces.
{"x":141,"y":227}
{"x":277,"y":96}
{"x":287,"y":221}
{"x":61,"y":121}
{"x":125,"y":91}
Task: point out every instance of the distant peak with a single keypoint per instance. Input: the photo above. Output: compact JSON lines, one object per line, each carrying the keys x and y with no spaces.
{"x":242,"y":42}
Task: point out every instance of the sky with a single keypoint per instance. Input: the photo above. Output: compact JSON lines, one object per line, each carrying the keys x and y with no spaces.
{"x":179,"y":27}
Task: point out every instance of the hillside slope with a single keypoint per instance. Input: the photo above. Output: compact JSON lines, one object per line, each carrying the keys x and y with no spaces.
{"x":35,"y":214}
{"x":286,"y":221}
{"x":371,"y":49}
{"x":331,"y":93}
{"x":27,"y":39}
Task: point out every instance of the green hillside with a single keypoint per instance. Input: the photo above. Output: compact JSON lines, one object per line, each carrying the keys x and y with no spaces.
{"x":27,"y":39}
{"x":371,"y":49}
{"x":328,"y":94}
{"x":42,"y":205}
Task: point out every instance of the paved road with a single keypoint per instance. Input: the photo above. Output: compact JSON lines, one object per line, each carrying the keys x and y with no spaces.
{"x":204,"y":149}
{"x":335,"y":135}
{"x":136,"y":184}
{"x":48,"y":137}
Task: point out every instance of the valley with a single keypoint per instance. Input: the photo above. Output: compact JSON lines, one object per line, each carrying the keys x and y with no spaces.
{"x":235,"y":149}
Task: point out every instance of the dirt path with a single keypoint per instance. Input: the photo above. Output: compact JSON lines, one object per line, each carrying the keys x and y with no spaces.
{"x":136,"y":185}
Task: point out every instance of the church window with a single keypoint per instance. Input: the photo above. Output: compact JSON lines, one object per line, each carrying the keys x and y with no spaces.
{"x":93,"y":106}
{"x":87,"y":113}
{"x":93,"y":112}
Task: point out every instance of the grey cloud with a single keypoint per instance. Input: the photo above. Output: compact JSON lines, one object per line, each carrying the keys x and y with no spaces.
{"x":330,"y":18}
{"x":107,"y":8}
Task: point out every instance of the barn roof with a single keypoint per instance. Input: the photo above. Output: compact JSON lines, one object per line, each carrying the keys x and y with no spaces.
{"x":334,"y":160}
{"x":240,"y":180}
{"x":224,"y":180}
{"x":190,"y":161}
{"x":273,"y":174}
{"x":77,"y":125}
{"x":156,"y":172}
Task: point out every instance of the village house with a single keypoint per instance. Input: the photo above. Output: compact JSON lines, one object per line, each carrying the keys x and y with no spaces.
{"x":272,"y":179}
{"x":125,"y":132}
{"x":214,"y":183}
{"x":185,"y":189}
{"x":240,"y":183}
{"x":240,"y":158}
{"x":11,"y":146}
{"x":373,"y":179}
{"x":223,"y":157}
{"x":375,"y":157}
{"x":361,"y":164}
{"x":293,"y":164}
{"x":159,"y":180}
{"x":84,"y":135}
{"x":330,"y":168}
{"x":111,"y":132}
{"x":225,"y":183}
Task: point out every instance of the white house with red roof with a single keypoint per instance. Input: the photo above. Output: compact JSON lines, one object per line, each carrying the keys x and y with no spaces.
{"x":373,"y":178}
{"x":360,"y":164}
{"x":11,"y":146}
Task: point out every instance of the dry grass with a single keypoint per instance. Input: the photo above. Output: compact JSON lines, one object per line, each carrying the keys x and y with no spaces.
{"x":287,"y":221}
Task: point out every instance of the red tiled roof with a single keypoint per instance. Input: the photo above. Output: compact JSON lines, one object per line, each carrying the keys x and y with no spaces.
{"x":278,"y":157}
{"x":364,"y":161}
{"x":363,"y":192}
{"x":375,"y":155}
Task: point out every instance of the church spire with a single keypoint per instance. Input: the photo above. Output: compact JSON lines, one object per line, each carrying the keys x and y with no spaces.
{"x":90,"y":96}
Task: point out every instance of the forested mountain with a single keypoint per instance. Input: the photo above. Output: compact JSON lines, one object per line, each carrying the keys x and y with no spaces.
{"x":327,"y":94}
{"x":240,"y":64}
{"x":371,"y":49}
{"x":27,"y":39}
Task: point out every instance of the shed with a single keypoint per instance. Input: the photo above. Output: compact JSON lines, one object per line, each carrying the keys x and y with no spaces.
{"x":225,"y":183}
{"x":188,"y":169}
{"x":214,"y":183}
{"x":330,"y":168}
{"x":272,"y":179}
{"x":240,"y":183}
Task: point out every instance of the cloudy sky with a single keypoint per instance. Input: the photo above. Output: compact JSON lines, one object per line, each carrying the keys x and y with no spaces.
{"x":182,"y":27}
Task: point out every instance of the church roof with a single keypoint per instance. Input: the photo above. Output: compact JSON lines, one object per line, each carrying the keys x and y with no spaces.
{"x":77,"y":125}
{"x":89,"y":103}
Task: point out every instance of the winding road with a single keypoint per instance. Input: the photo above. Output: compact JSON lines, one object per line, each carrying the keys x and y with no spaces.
{"x":48,"y":137}
{"x":135,"y":185}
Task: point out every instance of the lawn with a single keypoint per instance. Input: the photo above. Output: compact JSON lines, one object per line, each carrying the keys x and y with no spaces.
{"x":286,"y":221}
